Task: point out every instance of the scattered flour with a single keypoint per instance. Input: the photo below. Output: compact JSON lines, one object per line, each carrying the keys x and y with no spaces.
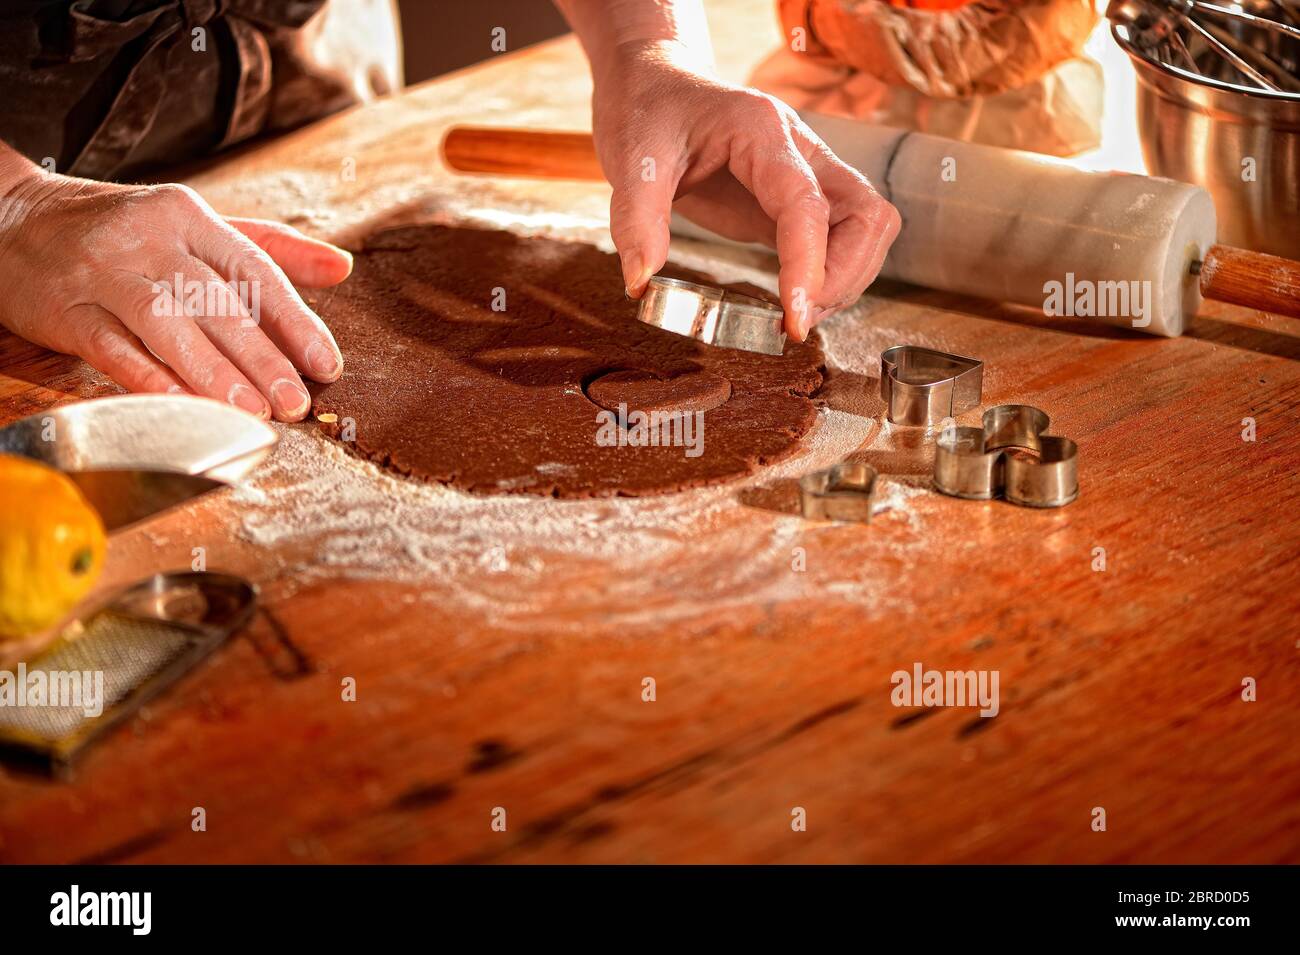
{"x":315,"y":512}
{"x":323,"y":513}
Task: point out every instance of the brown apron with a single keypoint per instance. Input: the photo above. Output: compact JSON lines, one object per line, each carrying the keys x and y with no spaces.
{"x":109,"y":89}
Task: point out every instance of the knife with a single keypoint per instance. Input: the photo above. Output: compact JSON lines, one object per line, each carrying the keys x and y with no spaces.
{"x":123,"y":498}
{"x":134,"y":456}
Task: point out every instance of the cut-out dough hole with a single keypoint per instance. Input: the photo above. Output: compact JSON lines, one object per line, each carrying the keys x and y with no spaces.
{"x":639,"y":390}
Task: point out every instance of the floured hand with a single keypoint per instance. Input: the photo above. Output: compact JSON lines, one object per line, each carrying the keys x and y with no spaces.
{"x":150,"y":286}
{"x":740,"y":163}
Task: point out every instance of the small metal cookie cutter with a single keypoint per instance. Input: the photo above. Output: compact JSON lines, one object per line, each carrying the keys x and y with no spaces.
{"x":713,"y":315}
{"x":840,"y":493}
{"x":921,"y":386}
{"x":974,"y":462}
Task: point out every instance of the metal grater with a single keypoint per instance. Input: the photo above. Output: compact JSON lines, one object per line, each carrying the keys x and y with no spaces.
{"x":140,"y":641}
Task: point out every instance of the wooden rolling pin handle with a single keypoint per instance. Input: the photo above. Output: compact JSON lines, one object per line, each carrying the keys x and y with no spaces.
{"x":521,"y":152}
{"x":1253,"y":279}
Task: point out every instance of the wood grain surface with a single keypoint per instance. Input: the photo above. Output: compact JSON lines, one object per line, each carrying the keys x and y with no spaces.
{"x":1120,"y":689}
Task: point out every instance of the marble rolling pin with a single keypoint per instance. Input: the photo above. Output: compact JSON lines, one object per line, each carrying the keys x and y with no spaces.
{"x":994,"y":223}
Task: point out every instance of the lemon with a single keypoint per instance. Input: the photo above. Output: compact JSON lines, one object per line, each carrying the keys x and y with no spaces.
{"x":51,"y":546}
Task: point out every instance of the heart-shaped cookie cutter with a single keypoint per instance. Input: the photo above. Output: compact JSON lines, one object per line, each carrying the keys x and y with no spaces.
{"x":921,"y":386}
{"x":975,"y":463}
{"x":844,"y":492}
{"x":713,"y":316}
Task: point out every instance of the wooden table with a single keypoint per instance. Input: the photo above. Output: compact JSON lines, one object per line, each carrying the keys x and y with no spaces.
{"x":1120,"y":688}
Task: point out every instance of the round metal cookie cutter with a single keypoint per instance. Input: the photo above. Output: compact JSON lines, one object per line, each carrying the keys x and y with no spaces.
{"x":713,"y":316}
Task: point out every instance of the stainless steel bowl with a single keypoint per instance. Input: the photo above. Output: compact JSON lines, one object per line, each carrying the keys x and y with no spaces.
{"x":1240,"y":143}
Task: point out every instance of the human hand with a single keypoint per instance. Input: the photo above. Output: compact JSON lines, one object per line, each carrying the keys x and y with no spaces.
{"x":91,"y":269}
{"x":742,"y":164}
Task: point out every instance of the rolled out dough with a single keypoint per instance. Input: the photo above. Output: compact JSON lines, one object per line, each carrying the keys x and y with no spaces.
{"x":482,"y":359}
{"x":643,"y":391}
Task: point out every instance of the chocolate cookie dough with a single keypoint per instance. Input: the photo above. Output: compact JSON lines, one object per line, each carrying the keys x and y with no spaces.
{"x":486,"y":361}
{"x":644,"y":391}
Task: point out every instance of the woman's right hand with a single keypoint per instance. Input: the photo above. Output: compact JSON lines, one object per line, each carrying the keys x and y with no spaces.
{"x":91,"y":269}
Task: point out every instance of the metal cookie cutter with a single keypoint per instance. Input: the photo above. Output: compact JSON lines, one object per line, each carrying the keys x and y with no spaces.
{"x":713,"y":316}
{"x":840,"y":493}
{"x":974,"y":463}
{"x":921,"y":386}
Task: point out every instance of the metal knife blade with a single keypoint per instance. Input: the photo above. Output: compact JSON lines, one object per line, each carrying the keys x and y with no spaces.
{"x":123,"y":498}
